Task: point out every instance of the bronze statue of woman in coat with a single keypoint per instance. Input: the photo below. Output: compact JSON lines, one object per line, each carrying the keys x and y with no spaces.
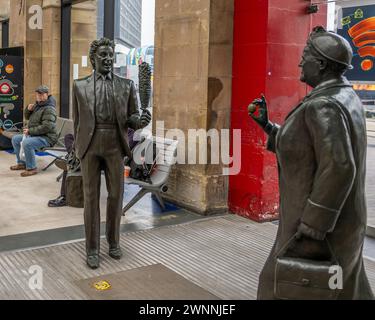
{"x":321,"y":153}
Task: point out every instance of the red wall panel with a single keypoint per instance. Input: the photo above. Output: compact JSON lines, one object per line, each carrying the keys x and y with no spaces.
{"x":269,"y":37}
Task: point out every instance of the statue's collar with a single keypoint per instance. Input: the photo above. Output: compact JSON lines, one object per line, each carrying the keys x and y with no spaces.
{"x":340,"y":82}
{"x":102,"y":76}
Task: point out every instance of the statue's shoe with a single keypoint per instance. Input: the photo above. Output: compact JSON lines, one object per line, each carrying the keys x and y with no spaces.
{"x":57,"y":203}
{"x":115,"y":253}
{"x":93,"y":262}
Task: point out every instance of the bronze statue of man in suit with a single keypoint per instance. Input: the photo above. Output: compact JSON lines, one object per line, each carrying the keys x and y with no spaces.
{"x":321,"y":153}
{"x":104,"y":107}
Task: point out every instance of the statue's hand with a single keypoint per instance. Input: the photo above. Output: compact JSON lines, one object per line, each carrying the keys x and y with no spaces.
{"x":261,"y":106}
{"x":145,"y":118}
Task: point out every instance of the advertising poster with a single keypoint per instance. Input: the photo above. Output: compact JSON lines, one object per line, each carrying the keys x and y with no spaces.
{"x":357,"y":25}
{"x":11,"y":91}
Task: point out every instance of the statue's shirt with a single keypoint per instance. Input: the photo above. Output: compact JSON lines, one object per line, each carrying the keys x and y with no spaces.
{"x":104,"y":107}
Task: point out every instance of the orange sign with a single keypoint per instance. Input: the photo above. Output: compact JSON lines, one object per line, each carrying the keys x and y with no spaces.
{"x":363,"y":37}
{"x":9,"y":68}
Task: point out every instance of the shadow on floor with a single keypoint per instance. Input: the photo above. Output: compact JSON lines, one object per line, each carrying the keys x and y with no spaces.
{"x":146,"y":214}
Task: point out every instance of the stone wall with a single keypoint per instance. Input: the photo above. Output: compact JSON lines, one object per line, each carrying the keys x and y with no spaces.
{"x":84,"y":26}
{"x":34,"y":47}
{"x":51,"y":46}
{"x":4,"y":14}
{"x":192,"y":89}
{"x":84,"y":31}
{"x":42,"y":46}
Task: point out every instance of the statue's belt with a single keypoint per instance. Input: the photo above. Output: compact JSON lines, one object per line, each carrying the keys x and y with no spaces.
{"x":106,"y":126}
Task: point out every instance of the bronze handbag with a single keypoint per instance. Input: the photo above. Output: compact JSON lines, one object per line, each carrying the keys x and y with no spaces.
{"x":74,"y":182}
{"x":74,"y":190}
{"x":304,"y":279}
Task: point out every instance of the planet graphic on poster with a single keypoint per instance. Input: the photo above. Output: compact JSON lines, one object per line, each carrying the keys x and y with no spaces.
{"x":6,"y":108}
{"x":8,"y":124}
{"x":363,"y":36}
{"x":9,"y":69}
{"x":5,"y":88}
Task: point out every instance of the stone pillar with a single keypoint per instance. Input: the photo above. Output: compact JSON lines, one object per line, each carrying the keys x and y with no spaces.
{"x":192,"y":90}
{"x":33,"y":53}
{"x":42,"y":46}
{"x":4,"y":14}
{"x":51,"y":35}
{"x":84,"y":25}
{"x":269,"y":37}
{"x":20,"y":35}
{"x":17,"y":24}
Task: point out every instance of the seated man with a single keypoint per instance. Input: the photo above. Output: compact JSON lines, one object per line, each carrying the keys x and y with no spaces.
{"x":40,"y":131}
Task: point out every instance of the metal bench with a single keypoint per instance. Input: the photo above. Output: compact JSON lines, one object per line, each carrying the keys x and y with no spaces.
{"x":58,"y":151}
{"x":165,"y":159}
{"x":14,"y":130}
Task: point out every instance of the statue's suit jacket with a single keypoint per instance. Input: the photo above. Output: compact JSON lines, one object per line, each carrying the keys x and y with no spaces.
{"x":126,"y":110}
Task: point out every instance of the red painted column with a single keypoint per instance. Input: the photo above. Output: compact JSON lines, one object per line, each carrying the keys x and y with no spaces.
{"x":269,"y":37}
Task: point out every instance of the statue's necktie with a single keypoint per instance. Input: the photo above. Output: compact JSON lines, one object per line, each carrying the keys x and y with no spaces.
{"x":106,"y":108}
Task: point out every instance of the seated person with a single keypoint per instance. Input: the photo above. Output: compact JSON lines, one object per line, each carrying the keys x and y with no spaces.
{"x":40,"y":131}
{"x":62,"y":164}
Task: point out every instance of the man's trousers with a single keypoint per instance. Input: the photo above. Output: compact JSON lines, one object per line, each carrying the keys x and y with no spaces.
{"x":104,"y":153}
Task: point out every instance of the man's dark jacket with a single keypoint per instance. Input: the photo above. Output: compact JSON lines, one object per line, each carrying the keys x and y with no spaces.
{"x":42,"y":120}
{"x":321,"y":153}
{"x":125,"y":105}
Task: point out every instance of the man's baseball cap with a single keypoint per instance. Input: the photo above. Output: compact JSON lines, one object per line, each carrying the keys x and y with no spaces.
{"x":42,"y":89}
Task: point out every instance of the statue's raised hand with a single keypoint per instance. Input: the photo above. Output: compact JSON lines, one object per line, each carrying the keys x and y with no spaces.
{"x":258,"y":110}
{"x":259,"y":105}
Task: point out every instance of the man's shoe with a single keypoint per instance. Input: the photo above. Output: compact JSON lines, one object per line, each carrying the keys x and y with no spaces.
{"x":61,"y":164}
{"x":18,"y":167}
{"x":29,"y":173}
{"x":115,"y":253}
{"x":57,"y":203}
{"x":93,"y":262}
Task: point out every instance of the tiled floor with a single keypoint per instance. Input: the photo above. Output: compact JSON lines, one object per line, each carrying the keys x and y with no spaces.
{"x":222,"y":255}
{"x":26,"y":220}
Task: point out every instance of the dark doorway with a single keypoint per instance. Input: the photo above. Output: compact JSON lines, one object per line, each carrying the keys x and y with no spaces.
{"x":5,"y":34}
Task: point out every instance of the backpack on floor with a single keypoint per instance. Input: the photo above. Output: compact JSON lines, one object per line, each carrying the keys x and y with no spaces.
{"x":143,"y":161}
{"x":5,"y":143}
